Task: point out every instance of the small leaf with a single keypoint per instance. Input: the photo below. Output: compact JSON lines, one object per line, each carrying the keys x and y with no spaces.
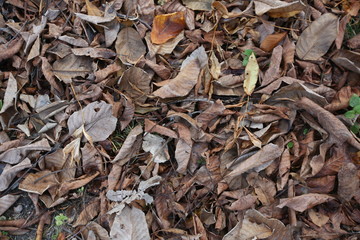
{"x":357,"y":109}
{"x":350,"y":114}
{"x":245,"y":61}
{"x":306,"y":130}
{"x":354,"y":100}
{"x":248,"y":52}
{"x":290,"y":145}
{"x":251,"y":75}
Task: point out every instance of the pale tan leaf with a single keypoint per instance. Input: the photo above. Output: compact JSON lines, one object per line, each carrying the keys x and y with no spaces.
{"x":157,"y":146}
{"x":277,"y":8}
{"x":133,"y":225}
{"x":165,"y":48}
{"x":94,"y":52}
{"x":215,"y":68}
{"x":316,"y":40}
{"x":253,"y":138}
{"x":129,"y":46}
{"x":318,"y":218}
{"x":97,"y":119}
{"x":9,"y":173}
{"x":78,"y":42}
{"x":95,"y":19}
{"x":251,"y":75}
{"x":305,"y":201}
{"x":202,"y":5}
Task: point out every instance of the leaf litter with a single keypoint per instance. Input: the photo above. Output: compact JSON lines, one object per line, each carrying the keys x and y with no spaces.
{"x":179,"y":119}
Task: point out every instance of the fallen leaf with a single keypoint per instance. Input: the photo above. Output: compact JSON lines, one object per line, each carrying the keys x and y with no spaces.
{"x":50,"y":77}
{"x":88,"y":213}
{"x":10,"y":93}
{"x":316,"y":40}
{"x":251,"y":74}
{"x":253,"y":138}
{"x":94,"y":52}
{"x":135,"y":83}
{"x":354,"y":42}
{"x":284,"y":169}
{"x":39,"y":182}
{"x":72,"y":66}
{"x":266,"y":155}
{"x":66,"y":186}
{"x":277,"y":8}
{"x":348,"y":59}
{"x":273,"y":72}
{"x":318,"y":218}
{"x":167,"y":26}
{"x":97,"y":119}
{"x":7,"y":201}
{"x":348,"y":181}
{"x":165,"y":48}
{"x":152,"y":127}
{"x":78,"y":42}
{"x":182,"y":84}
{"x":183,"y":147}
{"x":157,"y":146}
{"x":9,"y":173}
{"x":10,"y":49}
{"x":133,"y":225}
{"x":305,"y":201}
{"x":95,"y":19}
{"x":129,"y":46}
{"x":271,"y":41}
{"x":341,"y":99}
{"x":202,"y":5}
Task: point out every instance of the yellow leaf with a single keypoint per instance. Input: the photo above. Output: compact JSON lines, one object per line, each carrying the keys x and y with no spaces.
{"x":251,"y":75}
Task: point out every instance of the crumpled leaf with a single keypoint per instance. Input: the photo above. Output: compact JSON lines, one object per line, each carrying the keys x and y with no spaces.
{"x":133,"y":225}
{"x":251,"y":74}
{"x":8,"y":50}
{"x":97,"y":119}
{"x":129,"y":46}
{"x":157,"y":146}
{"x":349,"y":181}
{"x":88,"y":213}
{"x":95,"y":19}
{"x":39,"y":182}
{"x":167,"y":26}
{"x":276,"y":8}
{"x":316,"y":40}
{"x":72,"y":66}
{"x":7,"y":201}
{"x":135,"y":83}
{"x":182,"y":84}
{"x":305,"y":201}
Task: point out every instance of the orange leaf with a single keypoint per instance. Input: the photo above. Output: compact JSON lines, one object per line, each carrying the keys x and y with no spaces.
{"x":272,"y":41}
{"x":167,"y":26}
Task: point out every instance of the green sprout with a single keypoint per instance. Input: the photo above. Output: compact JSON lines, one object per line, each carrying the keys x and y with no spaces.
{"x":354,"y":102}
{"x":290,"y":145}
{"x":60,"y":219}
{"x":247,"y":54}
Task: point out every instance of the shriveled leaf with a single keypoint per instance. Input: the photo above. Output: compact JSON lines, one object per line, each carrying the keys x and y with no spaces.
{"x":167,"y":26}
{"x":95,"y":19}
{"x":284,"y":169}
{"x":271,"y":41}
{"x":72,"y":66}
{"x":251,"y":75}
{"x":316,"y":40}
{"x":273,"y":72}
{"x":152,"y":127}
{"x":9,"y":173}
{"x":77,"y":42}
{"x":129,"y":46}
{"x":97,"y":119}
{"x":66,"y":186}
{"x":39,"y":182}
{"x":348,"y":59}
{"x":277,"y":8}
{"x":157,"y":147}
{"x":182,"y":84}
{"x":8,"y":50}
{"x":94,"y":52}
{"x":133,"y":225}
{"x":253,"y":138}
{"x":202,"y":5}
{"x":7,"y":201}
{"x":305,"y":201}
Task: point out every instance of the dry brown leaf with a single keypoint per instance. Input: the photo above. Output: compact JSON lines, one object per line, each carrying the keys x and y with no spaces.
{"x":72,"y":66}
{"x":354,"y":42}
{"x":202,"y":5}
{"x":318,"y":218}
{"x":88,"y":213}
{"x":97,"y":120}
{"x":277,"y":8}
{"x":39,"y":182}
{"x":341,"y":99}
{"x":133,"y":225}
{"x":348,"y":59}
{"x":10,"y":93}
{"x":271,"y":41}
{"x":349,"y":181}
{"x":167,"y":26}
{"x":305,"y":201}
{"x":183,"y":147}
{"x":182,"y":84}
{"x":50,"y":77}
{"x":105,"y":72}
{"x":165,"y":48}
{"x":77,"y":42}
{"x":264,"y":156}
{"x":9,"y":173}
{"x":66,"y":186}
{"x":213,"y":111}
{"x":152,"y":127}
{"x":95,"y":19}
{"x":92,"y":9}
{"x":316,"y":40}
{"x":284,"y":169}
{"x":135,"y":83}
{"x":253,"y":138}
{"x":273,"y":72}
{"x":94,"y":52}
{"x":7,"y":201}
{"x":129,"y":46}
{"x":10,"y":49}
